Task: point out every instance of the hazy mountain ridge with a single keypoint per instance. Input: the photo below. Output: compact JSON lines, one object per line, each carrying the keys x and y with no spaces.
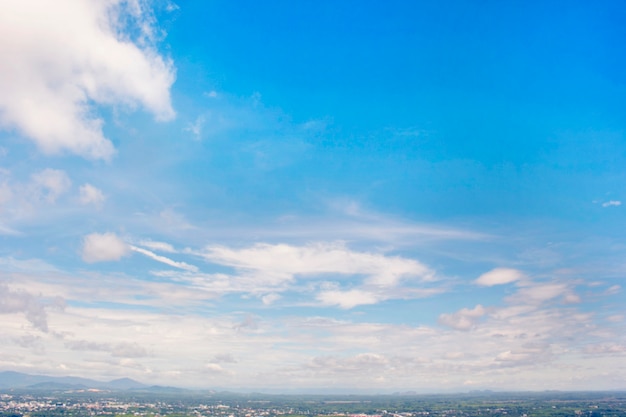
{"x":12,"y":379}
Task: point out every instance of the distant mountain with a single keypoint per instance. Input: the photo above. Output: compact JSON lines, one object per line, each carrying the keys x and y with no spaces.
{"x":10,"y":379}
{"x":165,"y":390}
{"x":55,"y":386}
{"x":125,"y":383}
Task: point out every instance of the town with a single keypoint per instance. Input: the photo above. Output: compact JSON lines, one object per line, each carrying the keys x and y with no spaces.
{"x":94,"y":402}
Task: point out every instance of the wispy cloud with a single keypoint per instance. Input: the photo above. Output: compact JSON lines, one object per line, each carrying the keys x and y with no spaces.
{"x":195,"y":128}
{"x":319,"y":258}
{"x":91,"y":195}
{"x":165,"y":260}
{"x":158,"y":246}
{"x":49,"y":184}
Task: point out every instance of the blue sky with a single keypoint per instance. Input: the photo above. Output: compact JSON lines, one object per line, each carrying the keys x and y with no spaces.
{"x":314,"y":195}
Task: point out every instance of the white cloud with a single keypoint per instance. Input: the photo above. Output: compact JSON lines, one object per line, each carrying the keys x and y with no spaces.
{"x":463,"y":319}
{"x":348,"y":299}
{"x":275,"y":267}
{"x":158,"y":246}
{"x":173,"y":220}
{"x":363,"y":361}
{"x":606,"y":348}
{"x":499,"y":276}
{"x":195,"y":128}
{"x":571,"y":298}
{"x":539,"y":293}
{"x":320,"y":352}
{"x":319,"y":258}
{"x":23,"y":302}
{"x":8,"y":231}
{"x":123,"y":349}
{"x":91,"y":195}
{"x":214,"y":367}
{"x":170,"y":7}
{"x":49,"y":184}
{"x":269,"y":299}
{"x":103,"y":247}
{"x":224,"y":358}
{"x":6,"y":193}
{"x":165,"y":260}
{"x":509,"y":356}
{"x":54,"y":75}
{"x":612,"y":203}
{"x":454,"y":355}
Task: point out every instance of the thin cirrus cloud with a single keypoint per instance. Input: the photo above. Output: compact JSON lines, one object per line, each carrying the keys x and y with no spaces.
{"x":54,"y":75}
{"x":163,"y":259}
{"x":158,"y":246}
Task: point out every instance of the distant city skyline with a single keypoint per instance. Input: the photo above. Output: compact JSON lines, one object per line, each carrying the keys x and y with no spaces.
{"x":361,"y":196}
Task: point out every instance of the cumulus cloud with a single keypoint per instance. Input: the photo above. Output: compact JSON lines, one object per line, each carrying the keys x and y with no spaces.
{"x":463,"y":319}
{"x":499,"y":276}
{"x":103,"y":247}
{"x":49,"y":184}
{"x":23,"y":302}
{"x":54,"y":76}
{"x":612,"y":203}
{"x":90,"y":195}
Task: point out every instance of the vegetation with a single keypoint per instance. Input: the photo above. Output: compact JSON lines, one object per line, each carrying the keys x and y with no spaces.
{"x":194,"y":404}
